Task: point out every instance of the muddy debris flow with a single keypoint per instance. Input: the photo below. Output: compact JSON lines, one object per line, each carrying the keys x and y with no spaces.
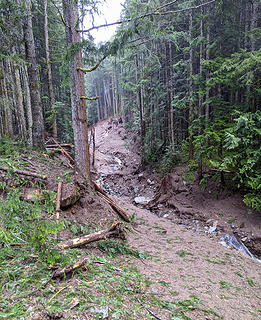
{"x":213,"y":211}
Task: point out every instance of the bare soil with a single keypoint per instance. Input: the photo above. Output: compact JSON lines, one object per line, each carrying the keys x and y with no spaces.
{"x":180,"y":228}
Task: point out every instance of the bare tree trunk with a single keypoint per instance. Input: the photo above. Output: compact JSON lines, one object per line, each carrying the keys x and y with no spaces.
{"x":191,"y":151}
{"x":1,"y":100}
{"x":79,"y":117}
{"x":10,"y":98}
{"x":207,"y":107}
{"x":37,"y":114}
{"x":200,"y":101}
{"x":20,"y":105}
{"x":28,"y":104}
{"x":139,"y":101}
{"x":254,"y":19}
{"x":49,"y":70}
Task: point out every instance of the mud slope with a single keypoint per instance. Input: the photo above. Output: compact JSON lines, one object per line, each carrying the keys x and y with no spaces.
{"x":184,"y":260}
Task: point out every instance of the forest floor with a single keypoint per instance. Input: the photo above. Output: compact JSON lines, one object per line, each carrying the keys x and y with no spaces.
{"x":171,"y":266}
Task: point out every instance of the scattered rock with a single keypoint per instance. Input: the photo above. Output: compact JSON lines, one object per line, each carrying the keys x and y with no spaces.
{"x":141,"y":200}
{"x":102,"y":310}
{"x":213,"y":228}
{"x":136,"y":189}
{"x":151,"y":183}
{"x":32,"y":194}
{"x":70,"y":194}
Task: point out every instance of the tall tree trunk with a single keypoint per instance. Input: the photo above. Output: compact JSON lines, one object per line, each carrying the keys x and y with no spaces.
{"x":200,"y":101}
{"x":10,"y":102}
{"x":79,"y":117}
{"x":191,"y":111}
{"x":207,"y":107}
{"x":37,"y":114}
{"x":254,"y":19}
{"x":139,"y":102}
{"x":28,"y":105}
{"x":49,"y":70}
{"x":20,"y":106}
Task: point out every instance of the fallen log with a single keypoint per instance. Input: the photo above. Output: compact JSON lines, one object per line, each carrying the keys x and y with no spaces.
{"x":102,"y":193}
{"x":24,"y":173}
{"x":114,"y":230}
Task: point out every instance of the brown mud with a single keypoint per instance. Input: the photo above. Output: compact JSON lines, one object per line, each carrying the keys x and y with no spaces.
{"x":215,"y":209}
{"x":179,"y":225}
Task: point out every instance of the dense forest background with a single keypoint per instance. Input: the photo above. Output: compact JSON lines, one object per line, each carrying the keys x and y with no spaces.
{"x":184,"y":76}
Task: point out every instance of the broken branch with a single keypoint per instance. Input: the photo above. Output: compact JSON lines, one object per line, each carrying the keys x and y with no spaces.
{"x":114,"y":230}
{"x":91,"y":68}
{"x":122,"y":213}
{"x":61,"y":272}
{"x":59,"y":291}
{"x":149,"y":311}
{"x":58,"y":200}
{"x":90,"y":99}
{"x":24,"y":173}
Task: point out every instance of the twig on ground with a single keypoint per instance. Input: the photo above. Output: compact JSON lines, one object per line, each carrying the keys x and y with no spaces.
{"x":149,"y":311}
{"x":57,"y":293}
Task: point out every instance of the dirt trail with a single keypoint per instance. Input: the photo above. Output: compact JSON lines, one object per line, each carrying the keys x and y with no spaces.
{"x":185,"y":261}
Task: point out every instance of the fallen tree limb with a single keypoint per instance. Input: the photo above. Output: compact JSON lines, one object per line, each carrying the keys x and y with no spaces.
{"x":61,"y":149}
{"x":27,"y":160}
{"x":225,"y":171}
{"x":58,"y":200}
{"x":59,"y":291}
{"x":63,"y":145}
{"x":61,"y":272}
{"x":122,"y":213}
{"x":98,"y":188}
{"x":24,"y":173}
{"x":102,"y":193}
{"x":114,"y":230}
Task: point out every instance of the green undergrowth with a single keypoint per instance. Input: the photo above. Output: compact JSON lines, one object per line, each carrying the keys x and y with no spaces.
{"x":109,"y":279}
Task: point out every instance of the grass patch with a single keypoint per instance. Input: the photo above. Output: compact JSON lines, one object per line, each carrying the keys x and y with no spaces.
{"x":225,"y":284}
{"x":183,"y":253}
{"x":115,"y":248}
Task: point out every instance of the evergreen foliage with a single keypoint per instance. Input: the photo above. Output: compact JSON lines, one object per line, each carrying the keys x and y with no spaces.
{"x":179,"y":77}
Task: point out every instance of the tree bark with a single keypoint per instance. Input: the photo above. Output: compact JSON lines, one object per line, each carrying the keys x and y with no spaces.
{"x":28,"y":105}
{"x":191,"y":111}
{"x":37,"y":114}
{"x":20,"y":105}
{"x":79,"y":117}
{"x":49,"y":69}
{"x":254,"y":19}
